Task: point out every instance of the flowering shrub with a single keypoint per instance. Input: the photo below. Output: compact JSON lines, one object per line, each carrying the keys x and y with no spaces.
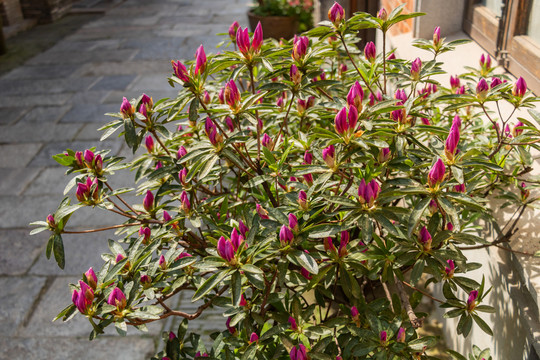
{"x":305,"y":191}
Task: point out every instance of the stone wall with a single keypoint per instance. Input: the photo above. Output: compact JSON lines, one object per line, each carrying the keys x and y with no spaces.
{"x":45,"y":10}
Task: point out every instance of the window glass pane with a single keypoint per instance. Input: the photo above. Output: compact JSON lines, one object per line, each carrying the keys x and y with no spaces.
{"x":533,"y":29}
{"x":494,"y":5}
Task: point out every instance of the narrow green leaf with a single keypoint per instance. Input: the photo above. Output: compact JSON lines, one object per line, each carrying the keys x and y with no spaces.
{"x":209,"y":284}
{"x":236,"y":288}
{"x":417,"y":213}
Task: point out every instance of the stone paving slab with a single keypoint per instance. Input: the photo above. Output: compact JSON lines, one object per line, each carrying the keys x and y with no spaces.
{"x":44,"y":86}
{"x":11,"y":114}
{"x":70,"y":57}
{"x":19,"y":250}
{"x":17,"y":155}
{"x":44,"y":114}
{"x":39,"y":132}
{"x":15,"y":180}
{"x":115,"y":82}
{"x":42,"y":72}
{"x":70,"y":348}
{"x":16,"y":300}
{"x":91,"y":113}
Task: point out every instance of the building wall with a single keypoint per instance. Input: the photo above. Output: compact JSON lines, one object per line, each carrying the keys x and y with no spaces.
{"x":404,"y":26}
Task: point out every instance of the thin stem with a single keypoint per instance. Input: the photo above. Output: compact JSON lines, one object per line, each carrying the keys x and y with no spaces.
{"x":102,"y":229}
{"x":122,"y":200}
{"x":160,"y":143}
{"x":354,"y":64}
{"x":423,"y":292}
{"x":384,"y":59}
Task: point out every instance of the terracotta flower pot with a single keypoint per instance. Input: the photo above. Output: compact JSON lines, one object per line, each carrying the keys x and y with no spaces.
{"x":276,"y":27}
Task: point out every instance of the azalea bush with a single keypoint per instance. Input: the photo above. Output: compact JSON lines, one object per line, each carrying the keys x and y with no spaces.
{"x":309,"y":191}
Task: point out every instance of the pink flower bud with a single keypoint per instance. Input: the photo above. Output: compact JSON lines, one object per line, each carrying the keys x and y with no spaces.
{"x":308,"y":158}
{"x":300,"y":46}
{"x":119,"y":258}
{"x":340,"y":121}
{"x":336,"y":14}
{"x":520,"y":88}
{"x":149,"y":143}
{"x":436,"y":174}
{"x":261,"y":212}
{"x":454,"y":82}
{"x":127,"y":109}
{"x":266,"y":141}
{"x":50,"y":221}
{"x":328,"y":155}
{"x":295,"y":75}
{"x":231,"y":329}
{"x":242,"y":40}
{"x":342,"y":250}
{"x":354,"y":312}
{"x":400,"y":338}
{"x":302,"y":200}
{"x":471,"y":301}
{"x":329,"y":244}
{"x":162,"y":263}
{"x":370,"y":52}
{"x":185,"y":205}
{"x":485,"y":62}
{"x":305,"y":273}
{"x":425,"y":238}
{"x":254,"y":337}
{"x":232,"y":31}
{"x":482,"y":88}
{"x":236,"y":239}
{"x":146,"y":280}
{"x":118,"y":299}
{"x":518,"y":129}
{"x":383,"y":337}
{"x":243,"y":228}
{"x":293,"y":324}
{"x":243,"y":301}
{"x":225,"y":249}
{"x":416,"y":66}
{"x":449,"y":270}
{"x":460,"y":188}
{"x":450,"y":146}
{"x":172,"y":335}
{"x":425,"y":121}
{"x":182,"y":176}
{"x":280,"y":103}
{"x":91,"y":278}
{"x":148,"y":201}
{"x":382,"y":14}
{"x":285,"y":235}
{"x":450,"y":227}
{"x":495,"y":81}
{"x":257,"y":41}
{"x":88,"y":157}
{"x":437,"y":37}
{"x":200,"y":61}
{"x":400,"y":95}
{"x":206,"y":98}
{"x":181,"y":152}
{"x":293,"y":222}
{"x":355,"y":96}
{"x":524,"y":191}
{"x":232,"y":95}
{"x":180,"y":71}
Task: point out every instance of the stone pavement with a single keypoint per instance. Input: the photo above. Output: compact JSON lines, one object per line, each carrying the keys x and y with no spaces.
{"x":57,"y":100}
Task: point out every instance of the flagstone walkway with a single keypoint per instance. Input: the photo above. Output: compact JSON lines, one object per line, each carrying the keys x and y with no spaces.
{"x":57,"y":100}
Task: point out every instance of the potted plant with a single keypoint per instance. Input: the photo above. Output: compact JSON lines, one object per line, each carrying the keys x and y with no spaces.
{"x":282,"y":18}
{"x":304,"y":190}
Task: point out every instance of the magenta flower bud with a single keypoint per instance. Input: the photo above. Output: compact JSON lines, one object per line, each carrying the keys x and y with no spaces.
{"x":383,"y":337}
{"x":257,"y":41}
{"x":436,"y":174}
{"x":79,"y":158}
{"x":361,"y":191}
{"x":280,"y":104}
{"x":232,"y":30}
{"x":340,"y":121}
{"x":495,"y":81}
{"x":400,"y":338}
{"x":225,"y":249}
{"x":293,"y":324}
{"x":355,"y":96}
{"x":206,"y":98}
{"x":243,"y":228}
{"x":145,"y":232}
{"x":232,"y":95}
{"x":266,"y":141}
{"x":342,"y":250}
{"x":172,"y":335}
{"x":328,"y":155}
{"x":182,"y":176}
{"x":98,"y":163}
{"x":416,"y":66}
{"x":450,"y":226}
{"x":450,"y":146}
{"x":231,"y":329}
{"x":148,"y":201}
{"x":454,"y":82}
{"x":524,"y":191}
{"x":285,"y":235}
{"x":181,"y":152}
{"x":305,"y":273}
{"x":185,"y":205}
{"x":301,"y":106}
{"x":229,"y":124}
{"x":518,"y":129}
{"x":91,"y":278}
{"x":449,"y":270}
{"x":437,"y":36}
{"x":118,"y":299}
{"x":50,"y":221}
{"x":295,"y":75}
{"x":353,"y":119}
{"x":211,"y":131}
{"x":236,"y":239}
{"x":119,"y":258}
{"x":461,"y":90}
{"x":384,"y":155}
{"x":425,"y":238}
{"x":88,"y":157}
{"x":302,"y":200}
{"x":162,"y":263}
{"x":242,"y":40}
{"x":329,"y":245}
{"x":336,"y":14}
{"x":433,"y":208}
{"x":82,"y":192}
{"x":147,"y":101}
{"x":221,"y":96}
{"x":370,"y":52}
{"x":485,"y":62}
{"x":460,"y":188}
{"x":383,"y":15}
{"x":354,"y":312}
{"x":400,"y":95}
{"x":180,"y":71}
{"x":482,"y":88}
{"x":293,"y":222}
{"x":520,"y":88}
{"x":254,"y":337}
{"x":308,"y":158}
{"x":149,"y":143}
{"x":183,"y":255}
{"x":200,"y":61}
{"x":261,"y":212}
{"x":145,"y":279}
{"x":300,"y":46}
{"x":127,"y":109}
{"x":243,"y":301}
{"x":425,"y":121}
{"x":471,"y":301}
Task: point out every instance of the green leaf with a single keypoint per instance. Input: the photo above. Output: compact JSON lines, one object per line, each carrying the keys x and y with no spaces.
{"x":417,"y":213}
{"x":252,"y":269}
{"x":482,"y":324}
{"x":322,"y":231}
{"x":236,"y":288}
{"x":129,"y":134}
{"x":58,"y":251}
{"x":417,"y":271}
{"x":194,"y":110}
{"x":209,"y":284}
{"x":305,"y":260}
